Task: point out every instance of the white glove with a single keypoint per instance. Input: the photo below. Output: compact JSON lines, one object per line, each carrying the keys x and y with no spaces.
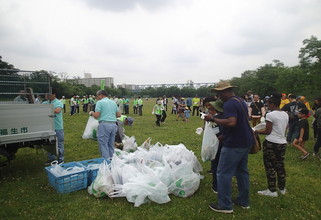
{"x":153,"y":112}
{"x":91,"y":113}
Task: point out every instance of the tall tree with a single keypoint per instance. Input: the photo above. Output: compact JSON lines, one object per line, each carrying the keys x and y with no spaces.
{"x":310,"y":62}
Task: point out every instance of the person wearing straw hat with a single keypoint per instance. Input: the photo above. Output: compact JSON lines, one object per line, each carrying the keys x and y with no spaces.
{"x":238,"y":139}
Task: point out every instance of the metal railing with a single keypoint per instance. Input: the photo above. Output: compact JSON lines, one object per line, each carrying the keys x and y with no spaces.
{"x":23,"y":83}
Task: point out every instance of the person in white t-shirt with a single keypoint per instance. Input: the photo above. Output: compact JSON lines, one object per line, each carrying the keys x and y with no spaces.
{"x":274,"y":147}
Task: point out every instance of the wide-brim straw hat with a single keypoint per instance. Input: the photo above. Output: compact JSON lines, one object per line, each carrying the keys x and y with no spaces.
{"x":220,"y":86}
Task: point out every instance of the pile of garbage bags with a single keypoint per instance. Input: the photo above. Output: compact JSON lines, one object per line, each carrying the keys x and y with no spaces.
{"x":150,"y":173}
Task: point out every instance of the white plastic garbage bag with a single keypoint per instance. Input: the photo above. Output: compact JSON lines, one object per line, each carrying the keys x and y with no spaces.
{"x":144,"y":188}
{"x":130,"y":144}
{"x":259,"y":126}
{"x":210,"y":143}
{"x":146,"y":144}
{"x":186,"y":185}
{"x":103,"y":184}
{"x":92,"y":124}
{"x":57,"y":170}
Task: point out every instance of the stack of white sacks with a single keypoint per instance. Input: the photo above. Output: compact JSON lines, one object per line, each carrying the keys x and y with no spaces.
{"x":150,"y":173}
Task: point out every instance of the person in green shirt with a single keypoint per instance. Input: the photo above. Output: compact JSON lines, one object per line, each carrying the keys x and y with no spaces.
{"x":78,"y":103}
{"x":59,"y":128}
{"x":196,"y":101}
{"x":126,"y":105}
{"x":121,"y":121}
{"x":135,"y":105}
{"x":158,"y":111}
{"x":106,"y":112}
{"x":86,"y":102}
{"x":140,"y":106}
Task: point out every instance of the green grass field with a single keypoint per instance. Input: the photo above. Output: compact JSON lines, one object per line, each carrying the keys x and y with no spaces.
{"x":26,"y":194}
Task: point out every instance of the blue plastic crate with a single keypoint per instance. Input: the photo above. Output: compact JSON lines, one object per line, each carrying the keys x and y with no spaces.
{"x":71,"y":182}
{"x":92,"y":173}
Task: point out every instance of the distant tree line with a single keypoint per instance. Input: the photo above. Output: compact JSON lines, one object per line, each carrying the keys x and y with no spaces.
{"x":303,"y":79}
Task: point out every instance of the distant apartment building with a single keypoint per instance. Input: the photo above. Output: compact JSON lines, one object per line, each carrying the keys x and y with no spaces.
{"x":128,"y":86}
{"x":88,"y":81}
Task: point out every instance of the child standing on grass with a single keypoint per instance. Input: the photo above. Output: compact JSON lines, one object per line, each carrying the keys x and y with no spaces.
{"x":187,"y":114}
{"x":303,"y":133}
{"x":157,"y":111}
{"x":216,"y":108}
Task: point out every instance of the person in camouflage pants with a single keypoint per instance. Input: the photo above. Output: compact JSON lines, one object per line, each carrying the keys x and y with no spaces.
{"x":274,"y":147}
{"x":273,"y":158}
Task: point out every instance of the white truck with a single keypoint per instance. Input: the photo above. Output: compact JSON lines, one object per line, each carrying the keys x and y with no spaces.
{"x":22,"y":122}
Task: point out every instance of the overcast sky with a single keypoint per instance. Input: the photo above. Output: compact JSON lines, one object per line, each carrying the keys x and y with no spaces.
{"x":155,"y":41}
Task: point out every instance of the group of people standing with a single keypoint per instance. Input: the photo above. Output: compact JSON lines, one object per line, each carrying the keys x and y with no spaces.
{"x":298,"y":110}
{"x":235,"y":121}
{"x":192,"y":104}
{"x":88,"y":103}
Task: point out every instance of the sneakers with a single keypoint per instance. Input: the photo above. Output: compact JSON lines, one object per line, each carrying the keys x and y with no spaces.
{"x":283,"y":191}
{"x":242,"y":206}
{"x":216,"y":208}
{"x":267,"y":192}
{"x":214,"y":191}
{"x":305,"y":156}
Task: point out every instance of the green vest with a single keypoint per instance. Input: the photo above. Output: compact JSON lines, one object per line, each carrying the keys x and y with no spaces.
{"x":122,"y":118}
{"x":158,"y":109}
{"x":135,"y":102}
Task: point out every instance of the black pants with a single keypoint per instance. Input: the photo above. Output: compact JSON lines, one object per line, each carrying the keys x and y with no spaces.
{"x":126,"y":109}
{"x":140,"y":110}
{"x":72,"y":110}
{"x":315,"y":129}
{"x":163,"y":116}
{"x":214,"y":165}
{"x":317,"y":144}
{"x":85,"y":107}
{"x":135,"y":109}
{"x":195,"y":108}
{"x":158,"y":119}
